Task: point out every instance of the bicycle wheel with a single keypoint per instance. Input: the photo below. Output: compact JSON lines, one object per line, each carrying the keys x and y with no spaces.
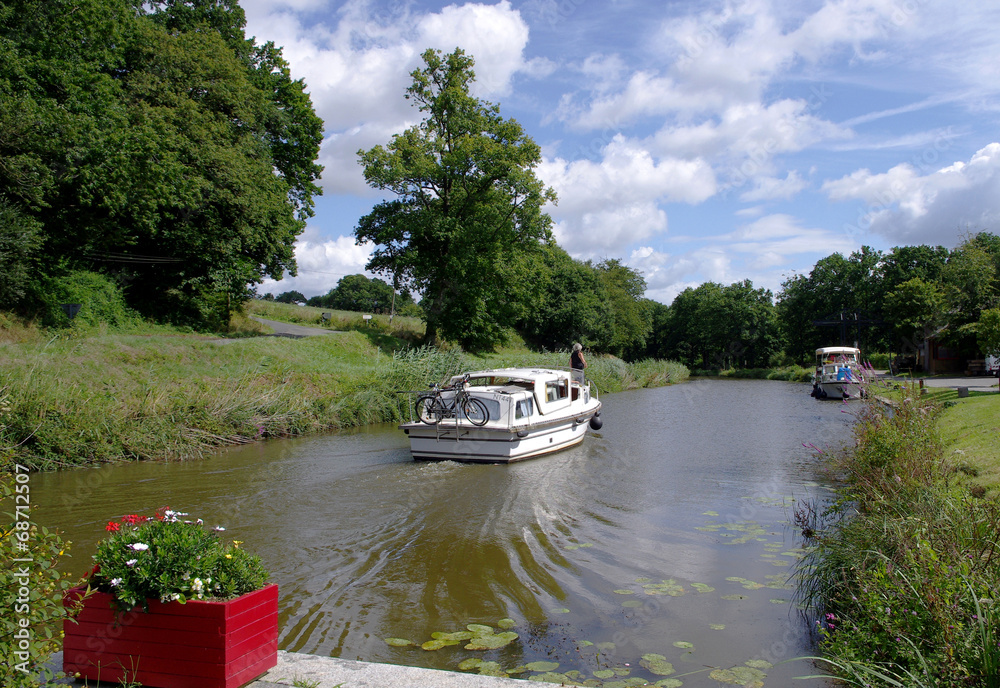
{"x":475,"y":411}
{"x":428,"y":410}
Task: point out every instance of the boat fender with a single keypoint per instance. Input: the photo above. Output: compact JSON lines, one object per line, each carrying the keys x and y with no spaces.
{"x":522,"y":433}
{"x":596,"y":423}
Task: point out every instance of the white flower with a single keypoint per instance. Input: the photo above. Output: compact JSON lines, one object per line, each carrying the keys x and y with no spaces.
{"x":115,"y":582}
{"x":138,"y":547}
{"x":197,"y":585}
{"x":218,"y":529}
{"x":131,"y":562}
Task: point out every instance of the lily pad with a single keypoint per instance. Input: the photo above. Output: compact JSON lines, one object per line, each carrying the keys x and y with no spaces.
{"x":559,"y":610}
{"x":624,"y":591}
{"x":551,"y":677}
{"x":542,"y":666}
{"x":585,"y":643}
{"x":438,"y":644}
{"x":492,"y":642}
{"x":492,"y":669}
{"x":758,"y":663}
{"x":643,"y":580}
{"x":734,"y":596}
{"x":684,"y":645}
{"x":702,"y":587}
{"x":657,"y":664}
{"x":748,"y":677}
{"x":710,"y":513}
{"x":398,"y":642}
{"x":777,"y":600}
{"x":457,"y":636}
{"x":604,"y":673}
{"x":479,"y":629}
{"x":506,"y":623}
{"x":469,"y":664}
{"x":717,"y":627}
{"x":667,"y":587}
{"x":669,"y":683}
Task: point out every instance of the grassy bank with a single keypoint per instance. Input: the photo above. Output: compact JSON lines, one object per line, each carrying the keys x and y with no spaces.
{"x":789,"y":373}
{"x":81,"y":397}
{"x":903,"y":576}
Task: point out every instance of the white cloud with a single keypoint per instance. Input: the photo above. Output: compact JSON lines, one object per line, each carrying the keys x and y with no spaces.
{"x":936,"y":208}
{"x":772,"y":188}
{"x":606,"y":205}
{"x":322,"y":262}
{"x":357,"y":68}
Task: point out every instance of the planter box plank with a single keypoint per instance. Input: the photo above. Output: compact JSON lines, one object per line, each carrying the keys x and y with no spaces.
{"x":200,"y":644}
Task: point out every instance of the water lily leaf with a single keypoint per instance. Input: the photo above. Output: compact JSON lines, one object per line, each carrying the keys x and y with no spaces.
{"x":560,"y":610}
{"x":542,"y":666}
{"x":735,"y":579}
{"x":470,"y":663}
{"x":492,"y":669}
{"x":506,"y":623}
{"x":702,"y":587}
{"x":607,"y":647}
{"x":657,"y":664}
{"x":734,"y":596}
{"x":604,"y":673}
{"x":551,"y":677}
{"x":717,"y":627}
{"x":492,"y":642}
{"x":684,"y":645}
{"x":643,"y":580}
{"x":624,"y":591}
{"x":621,"y":671}
{"x":480,"y":629}
{"x":458,"y":636}
{"x":777,"y":600}
{"x":748,"y":677}
{"x":585,"y":643}
{"x":519,"y":669}
{"x":669,"y":683}
{"x":710,"y":513}
{"x":758,"y":663}
{"x":667,"y":587}
{"x":438,"y":644}
{"x":398,"y":642}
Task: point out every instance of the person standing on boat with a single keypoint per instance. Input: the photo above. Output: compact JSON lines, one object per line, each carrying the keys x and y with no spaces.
{"x":577,"y":362}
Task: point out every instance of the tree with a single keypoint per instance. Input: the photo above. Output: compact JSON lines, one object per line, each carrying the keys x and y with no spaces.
{"x":467,"y":211}
{"x":290,"y":297}
{"x":572,"y":306}
{"x":916,"y":310}
{"x":157,"y":143}
{"x":631,"y":315}
{"x":19,"y":239}
{"x":988,"y":332}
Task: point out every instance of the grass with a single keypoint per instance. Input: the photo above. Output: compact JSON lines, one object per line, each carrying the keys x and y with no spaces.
{"x":904,"y":566}
{"x":84,"y":396}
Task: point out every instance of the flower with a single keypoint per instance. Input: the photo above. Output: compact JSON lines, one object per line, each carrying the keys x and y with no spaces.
{"x":181,"y":560}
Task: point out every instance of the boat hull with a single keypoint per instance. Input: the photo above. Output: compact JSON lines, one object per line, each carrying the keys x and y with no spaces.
{"x":836,"y":390}
{"x":468,"y":444}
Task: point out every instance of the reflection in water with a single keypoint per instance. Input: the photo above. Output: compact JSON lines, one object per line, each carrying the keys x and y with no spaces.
{"x":666,"y":530}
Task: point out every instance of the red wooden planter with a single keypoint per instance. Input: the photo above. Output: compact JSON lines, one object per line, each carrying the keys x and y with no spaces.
{"x":199,"y":644}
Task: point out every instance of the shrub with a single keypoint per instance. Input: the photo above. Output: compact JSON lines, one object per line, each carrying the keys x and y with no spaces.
{"x":170,"y":559}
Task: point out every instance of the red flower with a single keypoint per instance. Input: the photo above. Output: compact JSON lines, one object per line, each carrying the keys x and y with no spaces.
{"x":112,"y":527}
{"x":133,"y":519}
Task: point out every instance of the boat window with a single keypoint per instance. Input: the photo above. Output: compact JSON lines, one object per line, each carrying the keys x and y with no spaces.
{"x":492,"y":406}
{"x":556,"y":390}
{"x":525,"y":408}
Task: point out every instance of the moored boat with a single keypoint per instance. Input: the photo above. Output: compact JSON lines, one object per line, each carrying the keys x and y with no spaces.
{"x":501,"y":416}
{"x":839,"y":373}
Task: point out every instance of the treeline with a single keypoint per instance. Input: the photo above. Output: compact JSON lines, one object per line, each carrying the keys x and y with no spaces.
{"x":885,"y":301}
{"x":152,"y":147}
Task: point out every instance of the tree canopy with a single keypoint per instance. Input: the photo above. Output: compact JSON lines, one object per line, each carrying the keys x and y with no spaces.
{"x":467,"y":213}
{"x":154,"y":142}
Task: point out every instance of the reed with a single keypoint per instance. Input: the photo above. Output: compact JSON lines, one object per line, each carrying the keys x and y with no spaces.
{"x":83,"y":397}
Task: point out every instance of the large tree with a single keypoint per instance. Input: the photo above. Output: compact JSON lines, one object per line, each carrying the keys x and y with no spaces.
{"x":155,"y":142}
{"x":467,"y":209}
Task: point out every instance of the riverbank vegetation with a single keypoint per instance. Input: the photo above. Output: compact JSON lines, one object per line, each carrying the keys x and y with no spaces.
{"x":904,"y":570}
{"x":78,"y":396}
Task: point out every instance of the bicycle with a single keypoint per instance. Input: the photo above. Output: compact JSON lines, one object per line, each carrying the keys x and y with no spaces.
{"x":433,"y":408}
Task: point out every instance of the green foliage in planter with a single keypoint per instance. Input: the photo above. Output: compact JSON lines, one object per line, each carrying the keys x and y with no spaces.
{"x":31,"y":584}
{"x":171,"y":559}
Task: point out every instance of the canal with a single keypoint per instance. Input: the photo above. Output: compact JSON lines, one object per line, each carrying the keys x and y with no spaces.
{"x":660,"y":549}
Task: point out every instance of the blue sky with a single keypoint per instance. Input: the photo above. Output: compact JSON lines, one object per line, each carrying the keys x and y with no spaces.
{"x":696,"y":141}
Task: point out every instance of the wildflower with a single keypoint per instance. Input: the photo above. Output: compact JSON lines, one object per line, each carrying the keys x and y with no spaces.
{"x":237,"y":543}
{"x":229,"y":556}
{"x":112,"y":527}
{"x":131,"y":562}
{"x":138,"y":546}
{"x":831,"y":617}
{"x":219,"y":529}
{"x":115,"y":582}
{"x":133,"y":519}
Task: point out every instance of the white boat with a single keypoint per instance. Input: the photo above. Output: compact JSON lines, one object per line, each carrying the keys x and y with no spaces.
{"x":839,"y":373}
{"x":529,"y":412}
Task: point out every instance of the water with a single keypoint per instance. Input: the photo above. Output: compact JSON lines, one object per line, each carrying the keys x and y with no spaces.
{"x":615,"y":549}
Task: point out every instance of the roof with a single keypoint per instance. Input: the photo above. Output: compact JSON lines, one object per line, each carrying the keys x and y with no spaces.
{"x":837,"y":350}
{"x":523,"y":373}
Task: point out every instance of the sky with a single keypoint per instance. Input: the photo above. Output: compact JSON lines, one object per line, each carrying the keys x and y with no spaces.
{"x":695,"y":141}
